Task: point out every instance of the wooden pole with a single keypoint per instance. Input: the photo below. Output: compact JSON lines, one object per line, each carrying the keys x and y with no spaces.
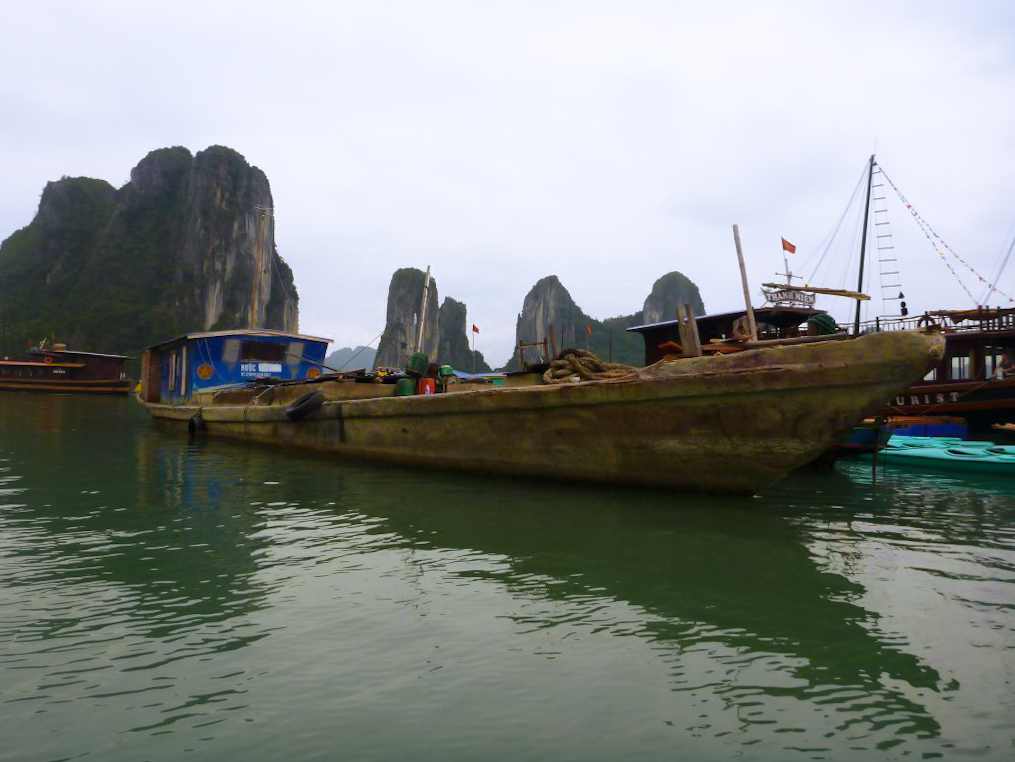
{"x":422,"y":310}
{"x":687,"y":326}
{"x":553,"y":340}
{"x":743,"y":279}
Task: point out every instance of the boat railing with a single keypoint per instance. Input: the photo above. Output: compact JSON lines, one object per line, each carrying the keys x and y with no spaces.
{"x":986,"y":320}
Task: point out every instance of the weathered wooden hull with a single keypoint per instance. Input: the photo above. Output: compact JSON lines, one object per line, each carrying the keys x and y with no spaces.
{"x":97,"y":386}
{"x":733,"y":423}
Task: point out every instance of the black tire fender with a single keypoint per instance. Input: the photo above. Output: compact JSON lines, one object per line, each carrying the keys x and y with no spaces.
{"x":304,"y":406}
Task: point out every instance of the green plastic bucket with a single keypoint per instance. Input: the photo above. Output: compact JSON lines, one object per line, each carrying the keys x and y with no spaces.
{"x":405,"y":387}
{"x":417,"y":364}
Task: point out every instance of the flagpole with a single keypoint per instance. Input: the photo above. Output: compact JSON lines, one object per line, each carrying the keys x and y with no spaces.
{"x":474,"y":349}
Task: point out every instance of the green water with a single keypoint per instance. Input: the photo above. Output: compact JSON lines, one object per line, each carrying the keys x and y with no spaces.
{"x":166,"y":599}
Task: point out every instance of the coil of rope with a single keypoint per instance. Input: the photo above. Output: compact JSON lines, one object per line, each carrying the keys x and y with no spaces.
{"x":576,"y":365}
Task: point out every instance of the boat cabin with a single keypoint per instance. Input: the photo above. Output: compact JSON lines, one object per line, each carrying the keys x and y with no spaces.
{"x":58,"y":369}
{"x":773,"y":323}
{"x":975,"y":378}
{"x":976,"y":341}
{"x":171,"y":372}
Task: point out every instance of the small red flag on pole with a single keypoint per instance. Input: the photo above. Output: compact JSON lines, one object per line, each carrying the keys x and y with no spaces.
{"x":787,"y":246}
{"x":475,"y":330}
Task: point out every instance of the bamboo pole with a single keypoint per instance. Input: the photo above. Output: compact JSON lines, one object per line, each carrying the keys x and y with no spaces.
{"x":743,"y":279}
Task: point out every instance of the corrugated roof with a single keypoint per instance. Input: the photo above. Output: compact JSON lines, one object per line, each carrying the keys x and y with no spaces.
{"x":75,"y":352}
{"x":241,"y":332}
{"x":803,"y":312}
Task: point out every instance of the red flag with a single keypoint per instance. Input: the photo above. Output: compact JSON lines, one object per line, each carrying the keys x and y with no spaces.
{"x":588,"y":330}
{"x":475,"y":328}
{"x":787,"y":246}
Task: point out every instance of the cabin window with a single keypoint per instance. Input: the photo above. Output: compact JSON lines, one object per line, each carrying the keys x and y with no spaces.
{"x":960,"y":368}
{"x":294,"y":353}
{"x":993,"y":357}
{"x":262,"y":351}
{"x":231,"y":350}
{"x":183,"y":370}
{"x":172,"y":371}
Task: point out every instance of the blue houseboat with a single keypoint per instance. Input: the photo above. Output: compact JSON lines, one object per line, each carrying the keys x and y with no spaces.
{"x":171,"y":372}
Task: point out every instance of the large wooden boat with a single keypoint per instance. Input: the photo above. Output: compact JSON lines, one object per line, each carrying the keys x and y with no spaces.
{"x":58,"y":369}
{"x":731,"y":423}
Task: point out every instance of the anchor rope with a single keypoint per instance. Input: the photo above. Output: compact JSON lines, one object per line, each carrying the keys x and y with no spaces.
{"x":576,"y":365}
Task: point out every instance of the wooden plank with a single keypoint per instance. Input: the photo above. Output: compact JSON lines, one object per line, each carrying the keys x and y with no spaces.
{"x":795,"y":340}
{"x":819,"y":290}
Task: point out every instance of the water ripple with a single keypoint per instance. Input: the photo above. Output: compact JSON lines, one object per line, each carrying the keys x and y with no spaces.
{"x":165,"y":596}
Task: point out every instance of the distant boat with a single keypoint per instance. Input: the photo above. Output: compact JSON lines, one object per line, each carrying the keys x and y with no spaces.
{"x":726,"y":423}
{"x":58,"y":369}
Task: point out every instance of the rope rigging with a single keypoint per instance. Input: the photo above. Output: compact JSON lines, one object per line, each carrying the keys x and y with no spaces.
{"x":1000,"y":271}
{"x":835,"y":231}
{"x":941,"y":246}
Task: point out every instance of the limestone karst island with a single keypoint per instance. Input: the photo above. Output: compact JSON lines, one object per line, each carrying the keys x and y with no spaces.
{"x":507,"y":381}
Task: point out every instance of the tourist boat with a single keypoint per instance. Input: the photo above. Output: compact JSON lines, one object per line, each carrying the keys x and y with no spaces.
{"x":975,"y":377}
{"x":58,"y":369}
{"x":970,"y":379}
{"x":728,"y":423}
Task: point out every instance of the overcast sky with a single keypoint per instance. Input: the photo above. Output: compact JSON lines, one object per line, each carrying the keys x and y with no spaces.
{"x":605,"y":142}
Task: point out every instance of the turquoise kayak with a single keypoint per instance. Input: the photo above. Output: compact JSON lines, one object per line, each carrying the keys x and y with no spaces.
{"x":989,"y":458}
{"x":908,"y":442}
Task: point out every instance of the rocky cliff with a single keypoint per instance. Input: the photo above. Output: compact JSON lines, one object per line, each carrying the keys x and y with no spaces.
{"x":187,"y":244}
{"x":445,"y":330}
{"x":401,"y":326}
{"x":351,"y":358}
{"x":671,"y":290}
{"x":453,"y":347}
{"x":548,"y":304}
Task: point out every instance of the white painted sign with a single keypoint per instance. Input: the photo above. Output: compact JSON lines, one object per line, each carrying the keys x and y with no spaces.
{"x":260,"y":368}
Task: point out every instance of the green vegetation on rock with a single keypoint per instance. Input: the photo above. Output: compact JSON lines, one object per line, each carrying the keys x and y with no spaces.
{"x":178,"y":248}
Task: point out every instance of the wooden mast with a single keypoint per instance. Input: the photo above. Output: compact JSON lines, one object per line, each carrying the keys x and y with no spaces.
{"x":863,"y":244}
